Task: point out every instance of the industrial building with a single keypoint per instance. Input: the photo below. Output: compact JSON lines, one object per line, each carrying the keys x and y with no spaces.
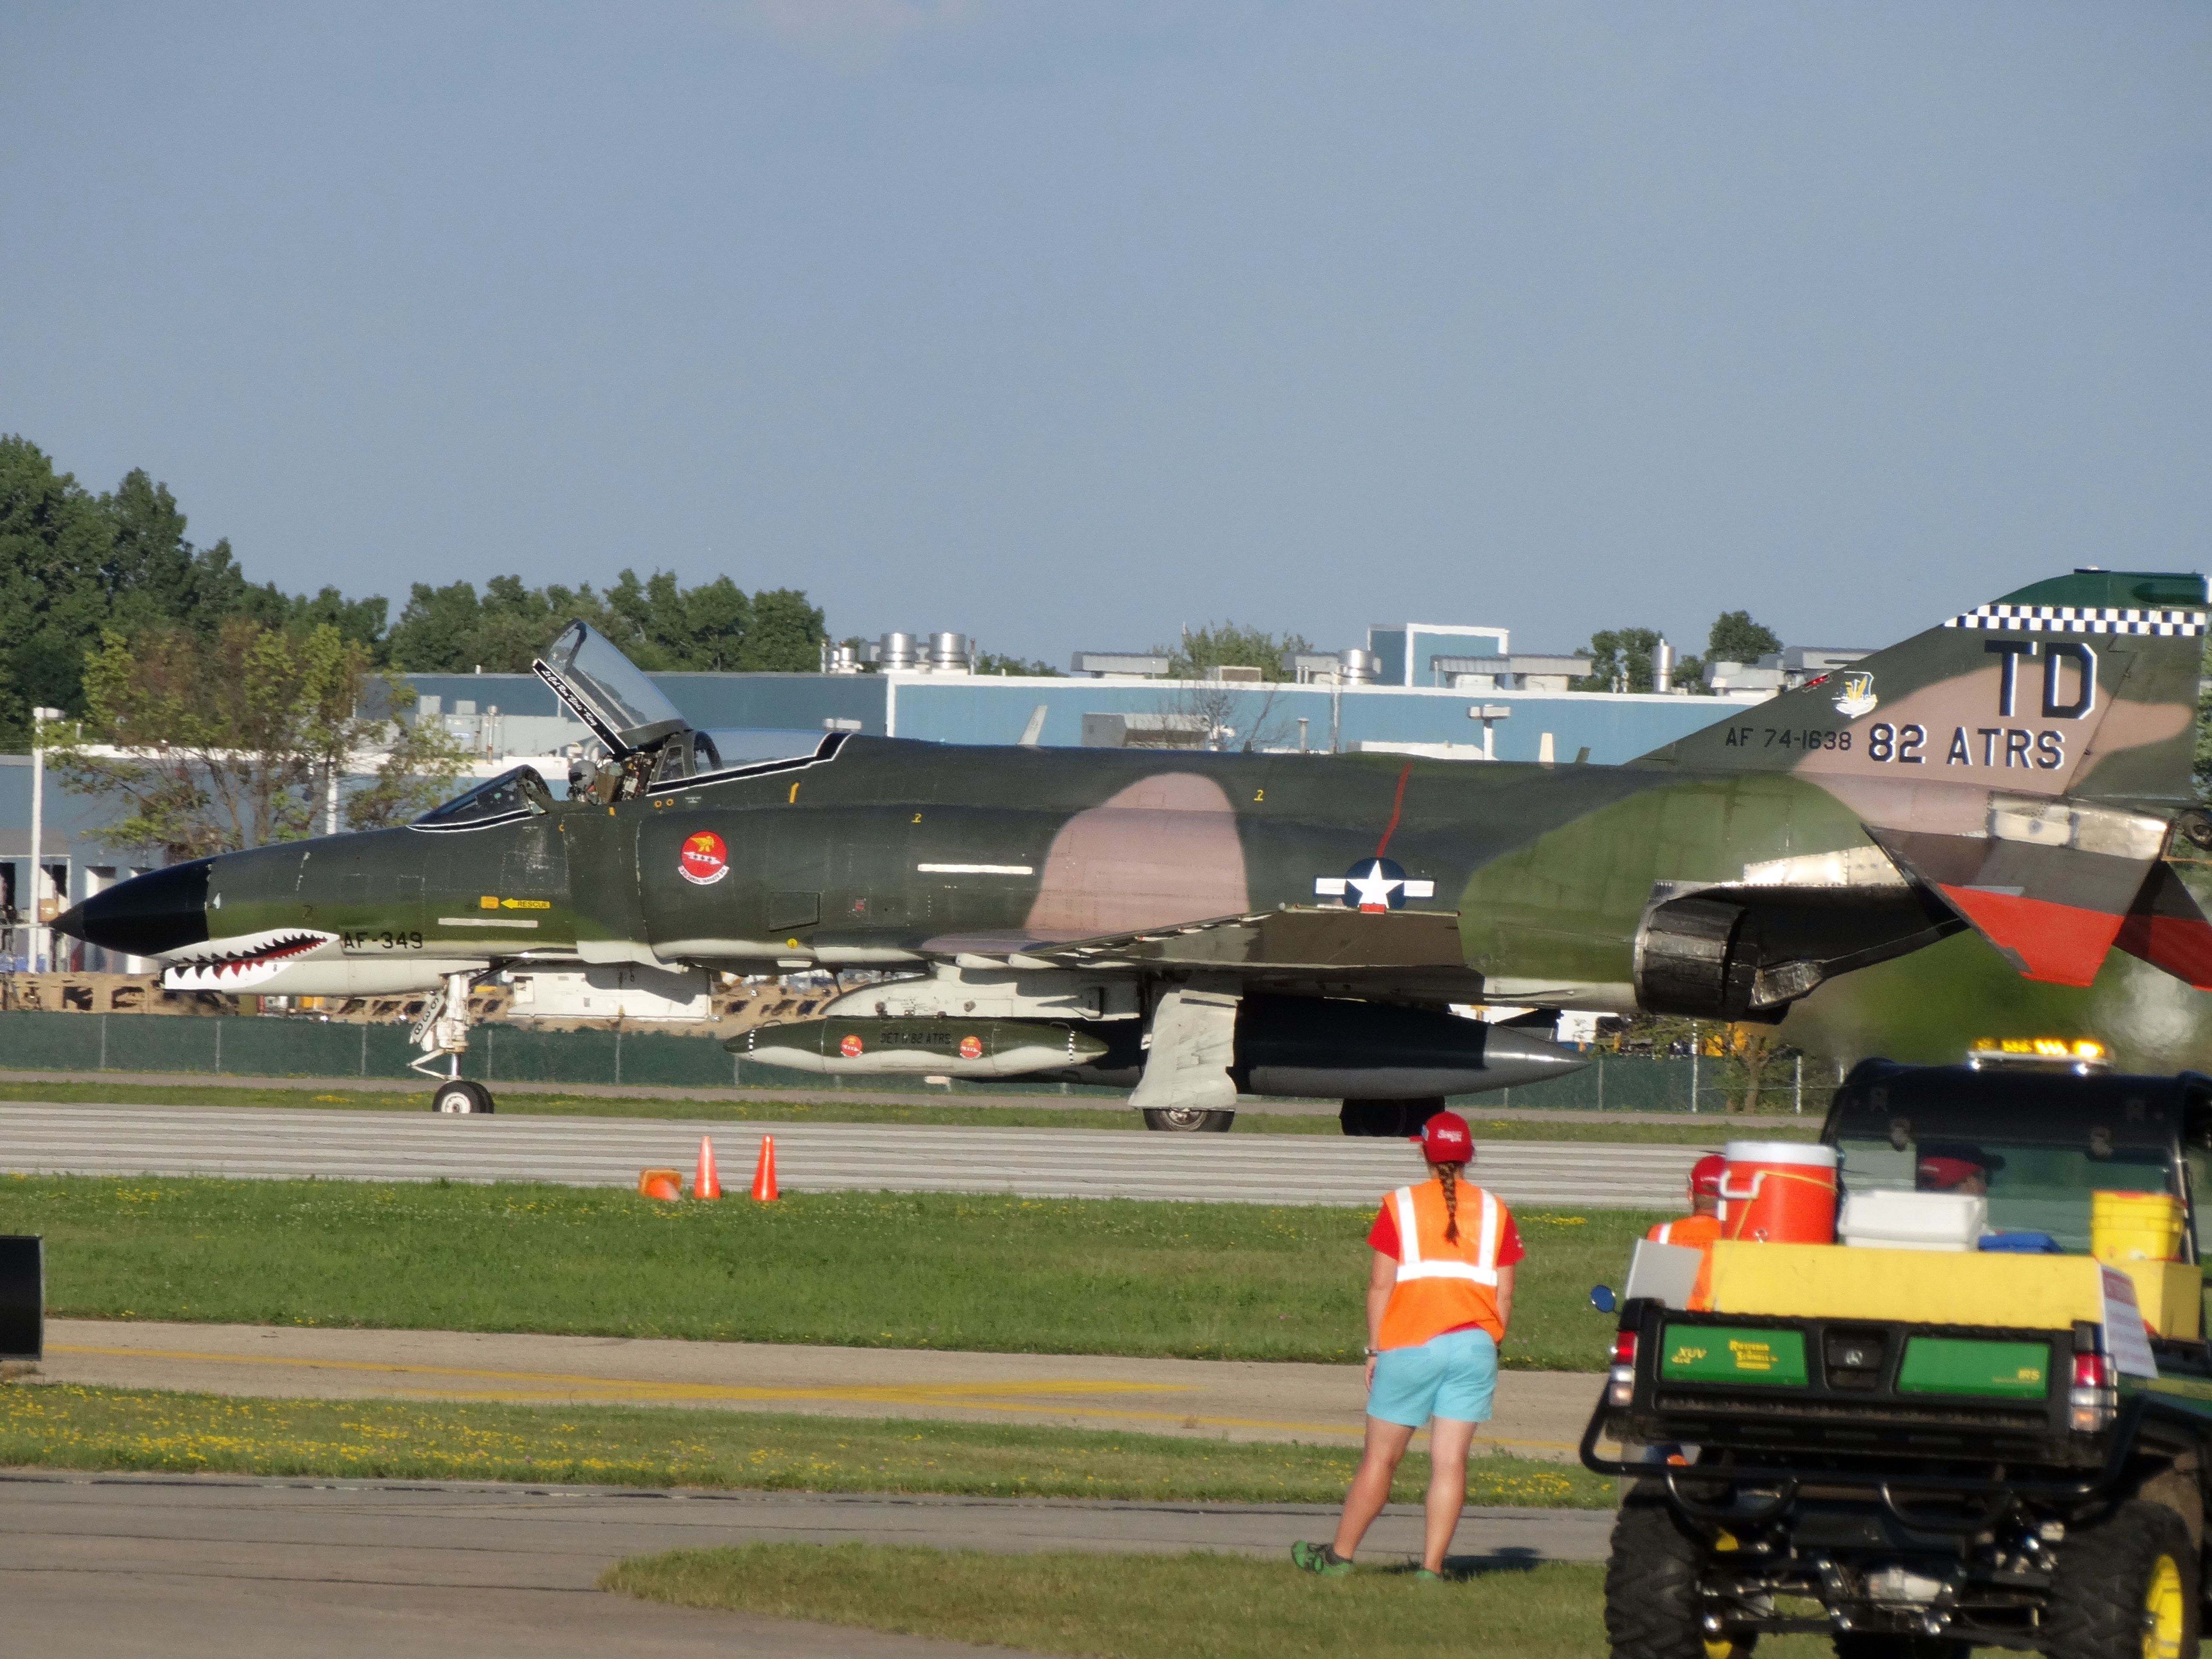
{"x":1406,"y":691}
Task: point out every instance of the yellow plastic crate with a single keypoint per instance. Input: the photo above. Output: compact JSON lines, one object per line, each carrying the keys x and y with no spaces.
{"x":2126,"y":1227}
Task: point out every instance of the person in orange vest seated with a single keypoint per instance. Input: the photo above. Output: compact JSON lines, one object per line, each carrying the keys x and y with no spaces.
{"x":1702,"y":1225}
{"x":1701,"y":1228}
{"x":1439,"y":1295}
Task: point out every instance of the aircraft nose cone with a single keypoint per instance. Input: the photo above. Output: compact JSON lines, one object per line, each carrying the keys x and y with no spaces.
{"x":148,"y":915}
{"x":1529,"y":1058}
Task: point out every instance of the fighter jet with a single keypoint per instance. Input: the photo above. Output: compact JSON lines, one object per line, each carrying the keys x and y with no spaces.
{"x":1196,"y":925}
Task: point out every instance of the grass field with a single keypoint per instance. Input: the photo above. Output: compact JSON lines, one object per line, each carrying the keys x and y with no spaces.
{"x":56,"y":1425}
{"x":1150,"y":1607}
{"x":1645,"y":1128}
{"x":1216,"y":1281}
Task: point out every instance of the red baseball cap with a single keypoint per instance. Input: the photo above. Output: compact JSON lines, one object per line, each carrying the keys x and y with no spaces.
{"x":1445,"y":1139}
{"x":1944,"y":1173}
{"x":1705,"y":1174}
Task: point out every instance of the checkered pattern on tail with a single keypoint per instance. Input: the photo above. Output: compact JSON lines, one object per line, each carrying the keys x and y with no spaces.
{"x":2081,"y":619}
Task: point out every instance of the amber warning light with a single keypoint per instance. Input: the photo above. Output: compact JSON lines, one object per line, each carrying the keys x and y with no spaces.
{"x":2082,"y":1055}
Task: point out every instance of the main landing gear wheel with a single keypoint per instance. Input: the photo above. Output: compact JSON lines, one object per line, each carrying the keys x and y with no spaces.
{"x":1188,"y":1120}
{"x":1392,"y":1118}
{"x":461,"y":1096}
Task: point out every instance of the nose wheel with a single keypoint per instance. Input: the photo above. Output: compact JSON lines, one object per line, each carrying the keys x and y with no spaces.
{"x":442,"y":1032}
{"x":1188,"y":1120}
{"x":460,"y":1095}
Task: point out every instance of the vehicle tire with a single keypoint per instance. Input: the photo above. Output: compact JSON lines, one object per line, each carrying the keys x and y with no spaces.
{"x":1188,"y":1120}
{"x":461,"y":1096}
{"x":1866,"y":1645}
{"x":2127,"y":1585}
{"x":1652,"y":1608}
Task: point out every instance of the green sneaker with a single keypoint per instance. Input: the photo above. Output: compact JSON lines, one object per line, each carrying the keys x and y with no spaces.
{"x":1422,"y":1575}
{"x":1319,"y":1558}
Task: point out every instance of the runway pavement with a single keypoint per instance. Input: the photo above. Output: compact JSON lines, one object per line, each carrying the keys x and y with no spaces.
{"x":41,"y":1137}
{"x":1538,"y":1413}
{"x":203,"y":1568}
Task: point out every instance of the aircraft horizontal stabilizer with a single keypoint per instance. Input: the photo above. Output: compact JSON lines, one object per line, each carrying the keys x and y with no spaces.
{"x":2167,"y":929}
{"x":2050,"y":884}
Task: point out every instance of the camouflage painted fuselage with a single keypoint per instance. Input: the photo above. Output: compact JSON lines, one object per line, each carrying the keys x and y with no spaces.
{"x":2017,"y":769}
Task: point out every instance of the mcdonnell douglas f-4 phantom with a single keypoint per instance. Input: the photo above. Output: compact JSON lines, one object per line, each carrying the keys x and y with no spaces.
{"x":1196,"y":924}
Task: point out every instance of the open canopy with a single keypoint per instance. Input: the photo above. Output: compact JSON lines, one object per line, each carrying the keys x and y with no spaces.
{"x":623,"y":708}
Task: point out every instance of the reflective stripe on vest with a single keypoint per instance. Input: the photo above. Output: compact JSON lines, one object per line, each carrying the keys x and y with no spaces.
{"x":1483,"y":1270}
{"x":1667,"y":1233}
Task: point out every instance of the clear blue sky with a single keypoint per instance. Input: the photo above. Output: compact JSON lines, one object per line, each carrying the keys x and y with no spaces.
{"x":1065,"y":325}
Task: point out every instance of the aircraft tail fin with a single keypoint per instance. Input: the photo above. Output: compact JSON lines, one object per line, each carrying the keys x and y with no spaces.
{"x":2025,"y":760}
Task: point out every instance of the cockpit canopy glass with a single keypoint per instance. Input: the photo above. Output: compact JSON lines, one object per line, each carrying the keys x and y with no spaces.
{"x":518,"y":793}
{"x":607,"y":691}
{"x":725,"y":747}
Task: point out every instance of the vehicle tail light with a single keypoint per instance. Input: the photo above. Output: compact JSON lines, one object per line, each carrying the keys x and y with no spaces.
{"x":1620,"y":1381}
{"x":2092,"y":1402}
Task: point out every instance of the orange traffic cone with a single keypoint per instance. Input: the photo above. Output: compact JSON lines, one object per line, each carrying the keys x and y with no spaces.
{"x":705,"y":1184}
{"x":664,"y":1184}
{"x":764,"y":1171}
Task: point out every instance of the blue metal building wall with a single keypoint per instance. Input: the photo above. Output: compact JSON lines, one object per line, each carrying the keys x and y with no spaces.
{"x":1614,"y":729}
{"x":706,"y":700}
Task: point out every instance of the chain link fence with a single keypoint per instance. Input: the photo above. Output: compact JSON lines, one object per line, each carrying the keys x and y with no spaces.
{"x":500,"y":1054}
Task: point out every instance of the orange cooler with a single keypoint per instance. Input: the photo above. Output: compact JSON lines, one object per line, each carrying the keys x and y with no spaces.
{"x":1779,"y":1192}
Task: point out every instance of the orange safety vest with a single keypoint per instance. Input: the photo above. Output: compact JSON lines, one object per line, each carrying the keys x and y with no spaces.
{"x":1696,"y":1232}
{"x":1441,"y":1285}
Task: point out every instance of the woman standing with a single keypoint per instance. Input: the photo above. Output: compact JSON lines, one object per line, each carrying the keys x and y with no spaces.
{"x":1439,"y":1295}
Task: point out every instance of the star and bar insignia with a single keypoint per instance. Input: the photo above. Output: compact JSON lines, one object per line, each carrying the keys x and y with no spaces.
{"x":1373,"y":885}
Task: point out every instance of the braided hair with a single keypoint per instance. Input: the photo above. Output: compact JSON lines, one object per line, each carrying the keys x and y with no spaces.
{"x":1450,"y":1173}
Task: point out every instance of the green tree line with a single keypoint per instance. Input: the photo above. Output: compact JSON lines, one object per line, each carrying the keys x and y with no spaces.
{"x":76,"y":566}
{"x":1621,"y":657}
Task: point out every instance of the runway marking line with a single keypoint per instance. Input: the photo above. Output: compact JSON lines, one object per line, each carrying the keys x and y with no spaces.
{"x":974,"y":1396}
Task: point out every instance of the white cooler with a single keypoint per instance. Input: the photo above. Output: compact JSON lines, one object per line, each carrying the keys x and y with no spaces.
{"x":1914,"y":1221}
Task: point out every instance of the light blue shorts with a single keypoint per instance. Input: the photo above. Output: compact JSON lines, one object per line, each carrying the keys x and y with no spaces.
{"x":1452,"y":1376}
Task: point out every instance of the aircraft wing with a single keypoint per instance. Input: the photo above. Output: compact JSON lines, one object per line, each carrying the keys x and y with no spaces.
{"x":1408,"y":951}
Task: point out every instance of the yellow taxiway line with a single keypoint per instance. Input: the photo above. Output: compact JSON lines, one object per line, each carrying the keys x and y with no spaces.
{"x":1044,"y":1395}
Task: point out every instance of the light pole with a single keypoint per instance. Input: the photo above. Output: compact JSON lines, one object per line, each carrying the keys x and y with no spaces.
{"x":1489,"y":713}
{"x":39,"y":937}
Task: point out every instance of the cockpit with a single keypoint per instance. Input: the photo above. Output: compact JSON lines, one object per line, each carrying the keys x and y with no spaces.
{"x":643,"y":739}
{"x":519,"y":794}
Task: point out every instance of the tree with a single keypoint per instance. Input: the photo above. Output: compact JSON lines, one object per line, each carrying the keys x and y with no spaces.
{"x":53,"y":540}
{"x":73,"y":564}
{"x":1230,"y":645}
{"x":1620,"y":660}
{"x":1736,"y":638}
{"x":659,"y":625}
{"x":787,"y":633}
{"x":990,"y":662}
{"x":235,"y":742}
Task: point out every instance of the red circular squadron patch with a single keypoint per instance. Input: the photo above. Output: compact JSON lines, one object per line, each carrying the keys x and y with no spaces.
{"x":705,"y":860}
{"x":971,"y":1047}
{"x":850,"y":1046}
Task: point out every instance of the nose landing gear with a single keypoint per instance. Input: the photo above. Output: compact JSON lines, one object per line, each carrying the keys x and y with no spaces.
{"x":443,"y":1030}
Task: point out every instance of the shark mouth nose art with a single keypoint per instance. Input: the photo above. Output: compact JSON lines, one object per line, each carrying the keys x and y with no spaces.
{"x":234,"y":965}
